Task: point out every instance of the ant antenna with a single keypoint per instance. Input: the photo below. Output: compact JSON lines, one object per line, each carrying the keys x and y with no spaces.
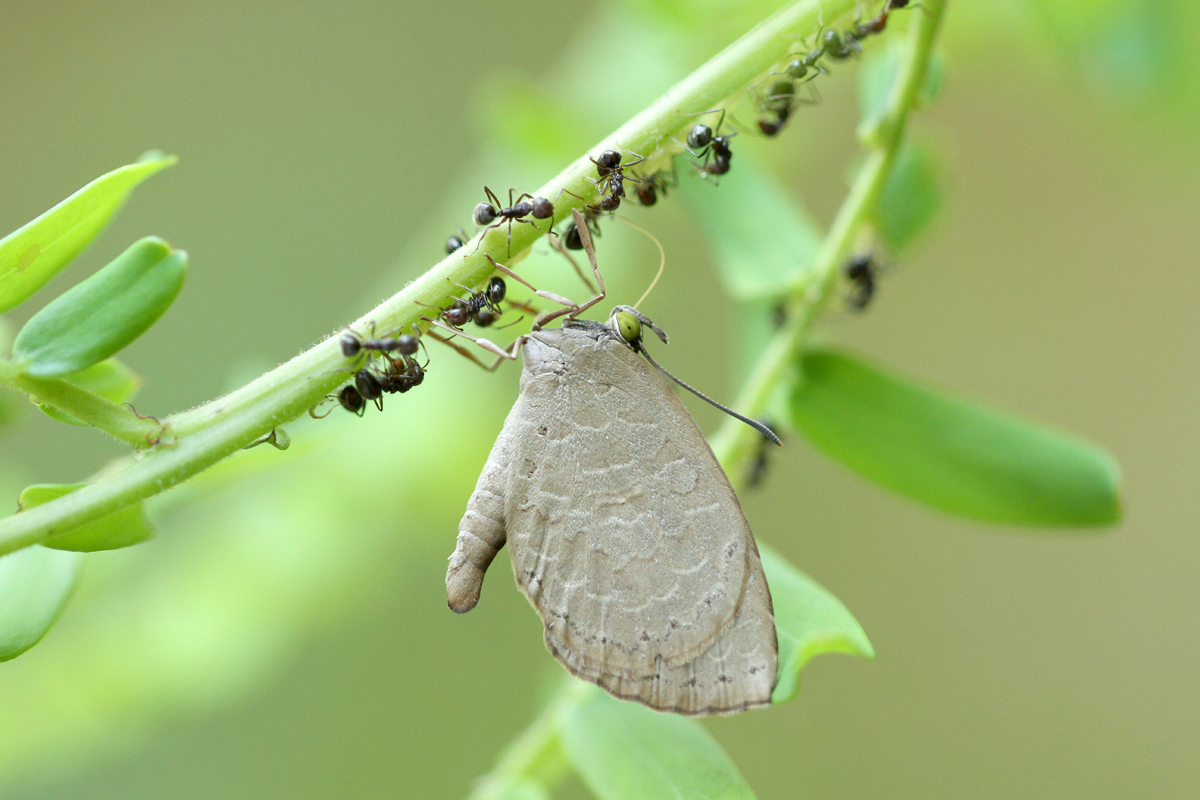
{"x":662,"y":262}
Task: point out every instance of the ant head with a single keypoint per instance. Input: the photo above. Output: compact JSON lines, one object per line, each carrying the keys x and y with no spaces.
{"x":610,"y":202}
{"x":541,"y":208}
{"x":607,"y":162}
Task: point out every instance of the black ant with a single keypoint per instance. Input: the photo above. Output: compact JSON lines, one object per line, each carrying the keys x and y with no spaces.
{"x":464,"y":311}
{"x":482,"y":308}
{"x":862,"y":271}
{"x":401,"y":375}
{"x":349,"y":398}
{"x":712,"y":146}
{"x":352,"y":344}
{"x":648,"y":190}
{"x":779,"y":101}
{"x":457,"y":241}
{"x":526,"y":206}
{"x":612,"y":177}
{"x":879,"y":22}
{"x":571,"y":236}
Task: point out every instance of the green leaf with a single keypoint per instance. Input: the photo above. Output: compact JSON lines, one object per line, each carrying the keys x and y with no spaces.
{"x":123,"y":528}
{"x":910,"y":198}
{"x":876,"y":78}
{"x":109,"y":379}
{"x":950,"y":453}
{"x":104,"y":313}
{"x":762,"y":239}
{"x":625,"y":751}
{"x":34,"y":253}
{"x":34,"y":586}
{"x":809,"y":621}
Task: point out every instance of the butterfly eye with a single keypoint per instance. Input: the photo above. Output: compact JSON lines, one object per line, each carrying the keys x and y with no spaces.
{"x":629,"y":327}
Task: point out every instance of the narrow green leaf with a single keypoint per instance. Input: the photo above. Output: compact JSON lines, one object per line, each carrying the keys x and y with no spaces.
{"x":951,"y":453}
{"x":911,"y":197}
{"x":104,"y":313}
{"x":876,"y":77}
{"x":109,"y":379}
{"x":34,"y":586}
{"x":34,"y":253}
{"x":934,"y":77}
{"x":763,"y":240}
{"x":123,"y":528}
{"x":625,"y":751}
{"x":809,"y":621}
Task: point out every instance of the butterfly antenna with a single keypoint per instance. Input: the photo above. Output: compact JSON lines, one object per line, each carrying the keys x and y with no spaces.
{"x":662,"y":262}
{"x":758,"y":426}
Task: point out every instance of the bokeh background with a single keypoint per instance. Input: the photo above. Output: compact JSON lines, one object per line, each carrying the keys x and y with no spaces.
{"x":286,"y":634}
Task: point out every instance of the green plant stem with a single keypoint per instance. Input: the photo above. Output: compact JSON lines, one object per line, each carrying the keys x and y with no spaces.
{"x":735,"y":443}
{"x":536,"y":755}
{"x":208,"y":433}
{"x":117,"y":421}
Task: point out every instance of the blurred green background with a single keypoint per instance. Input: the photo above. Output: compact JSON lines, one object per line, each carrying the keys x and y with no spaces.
{"x":286,"y":634}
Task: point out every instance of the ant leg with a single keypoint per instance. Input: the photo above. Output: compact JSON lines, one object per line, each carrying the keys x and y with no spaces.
{"x":483,"y":235}
{"x":509,"y":325}
{"x":318,"y":405}
{"x":469,"y":290}
{"x":528,"y":309}
{"x":491,"y":196}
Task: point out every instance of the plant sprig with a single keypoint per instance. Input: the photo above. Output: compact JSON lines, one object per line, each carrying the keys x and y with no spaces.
{"x":537,"y":754}
{"x":197,"y":438}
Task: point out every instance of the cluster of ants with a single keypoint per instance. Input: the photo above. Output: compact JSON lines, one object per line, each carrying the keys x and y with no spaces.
{"x":389,"y":364}
{"x":780,"y":99}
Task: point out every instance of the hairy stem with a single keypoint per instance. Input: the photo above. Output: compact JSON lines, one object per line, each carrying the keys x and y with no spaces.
{"x":208,"y":433}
